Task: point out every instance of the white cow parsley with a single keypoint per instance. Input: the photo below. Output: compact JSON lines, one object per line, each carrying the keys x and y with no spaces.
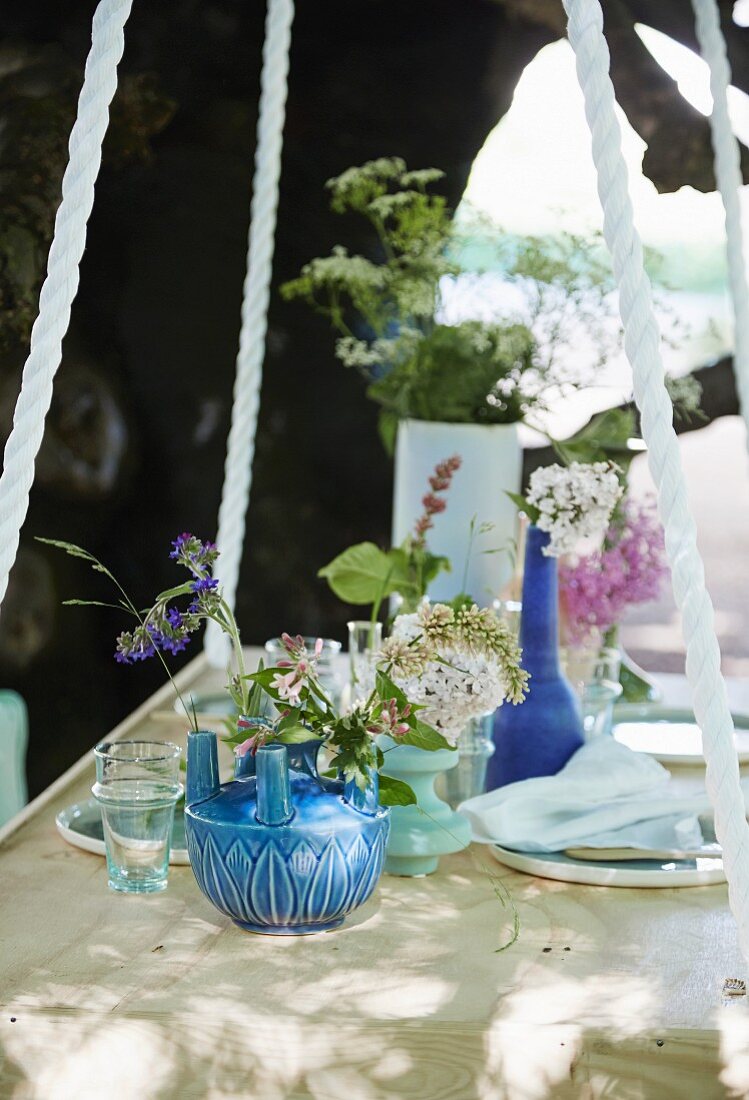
{"x":574,"y":502}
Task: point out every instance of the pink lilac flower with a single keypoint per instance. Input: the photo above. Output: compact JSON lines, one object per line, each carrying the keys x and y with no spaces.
{"x":596,"y":589}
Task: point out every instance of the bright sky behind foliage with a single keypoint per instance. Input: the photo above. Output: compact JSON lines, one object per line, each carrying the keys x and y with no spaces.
{"x":537,"y":162}
{"x":535,"y":174}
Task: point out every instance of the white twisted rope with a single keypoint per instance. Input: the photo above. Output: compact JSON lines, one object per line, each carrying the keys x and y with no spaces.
{"x":729,"y":180}
{"x":61,"y":283}
{"x":642,"y":343}
{"x":256,"y":296}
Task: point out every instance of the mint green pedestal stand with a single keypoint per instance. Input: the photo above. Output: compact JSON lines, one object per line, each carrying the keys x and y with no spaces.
{"x":420,"y":834}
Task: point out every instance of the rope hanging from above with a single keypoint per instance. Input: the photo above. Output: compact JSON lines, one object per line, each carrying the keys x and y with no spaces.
{"x":642,"y":344}
{"x":61,"y":283}
{"x":256,"y":296}
{"x":729,"y":179}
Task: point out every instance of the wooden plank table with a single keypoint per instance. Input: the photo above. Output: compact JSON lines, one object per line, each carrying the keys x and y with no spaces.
{"x":608,"y":992}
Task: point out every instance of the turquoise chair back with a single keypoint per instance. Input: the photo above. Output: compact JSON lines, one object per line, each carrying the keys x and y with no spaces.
{"x":14,"y":736}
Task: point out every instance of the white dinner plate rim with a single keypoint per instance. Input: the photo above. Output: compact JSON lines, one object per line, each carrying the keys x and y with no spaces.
{"x":594,"y":874}
{"x":656,"y":712}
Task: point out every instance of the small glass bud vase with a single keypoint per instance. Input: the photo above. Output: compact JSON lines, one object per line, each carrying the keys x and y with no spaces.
{"x":468,"y":779}
{"x":593,"y":672}
{"x":364,"y":643}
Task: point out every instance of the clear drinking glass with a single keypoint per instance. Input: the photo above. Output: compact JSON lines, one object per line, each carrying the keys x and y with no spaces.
{"x":328,"y":668}
{"x":364,"y":643}
{"x":593,"y":671}
{"x":137,"y":787}
{"x":468,"y":778}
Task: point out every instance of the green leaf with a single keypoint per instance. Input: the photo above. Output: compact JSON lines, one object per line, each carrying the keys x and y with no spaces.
{"x":264,"y":676}
{"x":256,"y":698}
{"x":387,"y":690}
{"x":422,"y":736}
{"x":364,"y":574}
{"x":522,"y":505}
{"x":297,"y":735}
{"x":394,"y":792}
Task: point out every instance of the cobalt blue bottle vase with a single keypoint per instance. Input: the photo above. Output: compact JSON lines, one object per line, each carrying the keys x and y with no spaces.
{"x":540,"y":735}
{"x":279,"y":849}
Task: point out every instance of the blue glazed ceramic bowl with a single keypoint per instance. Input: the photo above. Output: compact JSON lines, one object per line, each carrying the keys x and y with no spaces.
{"x":305,"y":873}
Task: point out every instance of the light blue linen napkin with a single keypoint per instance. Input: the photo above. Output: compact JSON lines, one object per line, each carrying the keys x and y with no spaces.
{"x":606,"y":796}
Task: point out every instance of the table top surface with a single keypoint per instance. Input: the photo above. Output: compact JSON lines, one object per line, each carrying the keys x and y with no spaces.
{"x":421,"y":953}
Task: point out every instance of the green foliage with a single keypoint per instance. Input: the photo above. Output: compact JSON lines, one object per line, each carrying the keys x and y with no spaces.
{"x":385,"y":312}
{"x":295,"y":735}
{"x":349,"y":736}
{"x":394,"y":792}
{"x":250,"y":705}
{"x":455,"y":370}
{"x":420,"y":735}
{"x":411,"y":226}
{"x":365,"y":574}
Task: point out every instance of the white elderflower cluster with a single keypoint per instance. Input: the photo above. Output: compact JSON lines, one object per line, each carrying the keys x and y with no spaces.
{"x":575,"y":502}
{"x":456,"y":665}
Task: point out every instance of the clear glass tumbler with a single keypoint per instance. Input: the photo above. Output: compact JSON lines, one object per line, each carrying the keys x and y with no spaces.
{"x":137,"y":787}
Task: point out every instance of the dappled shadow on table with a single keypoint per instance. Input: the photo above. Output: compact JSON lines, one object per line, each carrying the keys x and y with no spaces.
{"x":164,"y":997}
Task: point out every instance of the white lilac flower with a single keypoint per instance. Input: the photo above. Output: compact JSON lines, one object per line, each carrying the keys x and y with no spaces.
{"x":575,"y":502}
{"x":457,"y":665}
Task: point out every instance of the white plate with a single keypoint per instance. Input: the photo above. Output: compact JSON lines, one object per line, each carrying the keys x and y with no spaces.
{"x":639,"y":873}
{"x":80,"y":824}
{"x":669,"y":734}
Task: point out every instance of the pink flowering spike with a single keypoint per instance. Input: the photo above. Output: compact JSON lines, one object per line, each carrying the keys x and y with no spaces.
{"x":246,"y":746}
{"x":288,"y":642}
{"x":318,"y":646}
{"x":433,"y":504}
{"x":406,"y":710}
{"x":400,"y":730}
{"x":244,"y":724}
{"x":284,"y":664}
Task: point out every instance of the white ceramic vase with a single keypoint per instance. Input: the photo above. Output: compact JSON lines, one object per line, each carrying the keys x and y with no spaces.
{"x":492,"y":461}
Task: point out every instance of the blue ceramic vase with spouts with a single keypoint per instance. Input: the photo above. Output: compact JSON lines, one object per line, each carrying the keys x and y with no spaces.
{"x":280,"y":849}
